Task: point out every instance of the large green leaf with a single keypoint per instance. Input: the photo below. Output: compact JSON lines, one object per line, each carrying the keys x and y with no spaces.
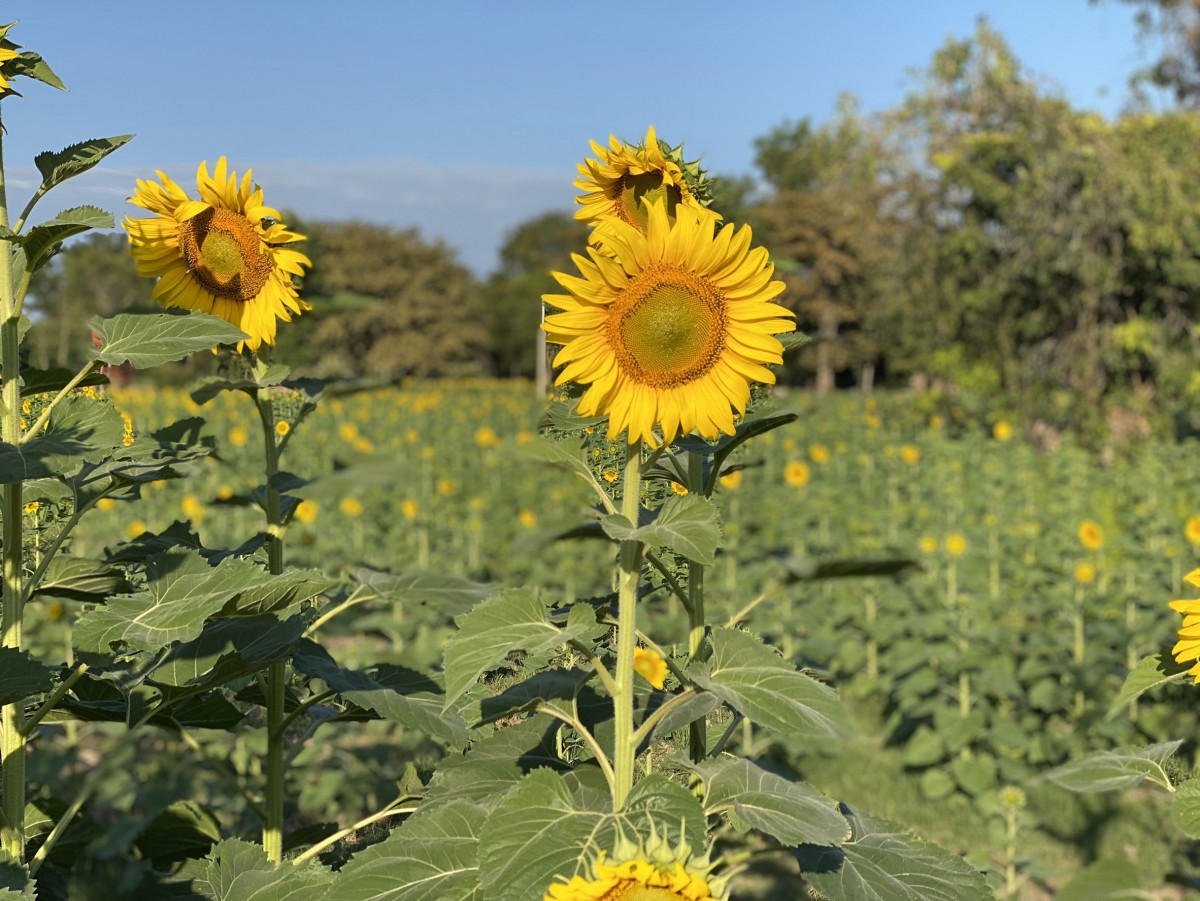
{"x":79,"y":431}
{"x":555,"y":684}
{"x":544,"y":829}
{"x":71,"y":161}
{"x":15,"y":881}
{"x":557,"y":456}
{"x":1107,"y":771}
{"x":185,"y":829}
{"x":687,"y":525}
{"x":419,"y":710}
{"x":229,"y":649}
{"x":881,"y":862}
{"x":45,"y":239}
{"x":209,"y":388}
{"x":432,"y":856}
{"x":182,"y":591}
{"x":755,"y":680}
{"x":151,"y":339}
{"x":452,"y":595}
{"x":1185,"y":808}
{"x":497,"y":763}
{"x":51,"y":381}
{"x":239,"y":871}
{"x":513,"y":620}
{"x":31,"y":65}
{"x":754,"y":798}
{"x":1149,"y":673}
{"x":1108,"y":879}
{"x":79,"y":579}
{"x":22,"y":676}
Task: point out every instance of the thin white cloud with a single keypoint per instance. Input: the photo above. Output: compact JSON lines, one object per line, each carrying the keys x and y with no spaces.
{"x":470,"y":207}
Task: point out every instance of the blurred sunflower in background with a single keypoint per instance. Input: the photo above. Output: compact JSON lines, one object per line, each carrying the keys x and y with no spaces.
{"x":224,"y":254}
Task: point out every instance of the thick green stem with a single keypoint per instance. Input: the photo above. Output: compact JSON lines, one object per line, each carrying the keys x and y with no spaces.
{"x":12,"y":738}
{"x":697,"y":729}
{"x":276,"y":681}
{"x":630,"y":561}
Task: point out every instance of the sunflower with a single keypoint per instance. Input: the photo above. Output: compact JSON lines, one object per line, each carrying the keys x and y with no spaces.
{"x":1187,"y":649}
{"x":651,"y":666}
{"x":650,"y":871}
{"x":7,"y":55}
{"x":796,"y":473}
{"x":625,"y":179}
{"x":1091,"y":536}
{"x":671,"y":332}
{"x":223,"y":254}
{"x":1191,"y":529}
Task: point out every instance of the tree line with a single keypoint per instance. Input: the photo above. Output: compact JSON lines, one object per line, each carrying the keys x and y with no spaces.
{"x":983,"y":239}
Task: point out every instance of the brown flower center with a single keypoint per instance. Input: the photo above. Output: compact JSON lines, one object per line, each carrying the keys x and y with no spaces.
{"x":225,"y":254}
{"x":630,"y":890}
{"x":668,"y":327}
{"x":633,"y":192}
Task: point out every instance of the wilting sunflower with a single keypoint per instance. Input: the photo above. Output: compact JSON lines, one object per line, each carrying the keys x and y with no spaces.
{"x":625,"y":179}
{"x":672,"y":330}
{"x":1187,"y":649}
{"x":651,"y":871}
{"x":223,"y":254}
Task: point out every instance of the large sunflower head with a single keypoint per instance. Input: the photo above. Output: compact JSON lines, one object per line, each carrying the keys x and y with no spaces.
{"x":8,"y":52}
{"x":624,"y":179}
{"x":223,"y":254}
{"x":671,"y":330}
{"x":653,"y":870}
{"x":1187,"y":648}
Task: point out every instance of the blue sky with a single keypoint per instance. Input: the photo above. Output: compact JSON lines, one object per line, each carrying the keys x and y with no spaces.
{"x":466,"y":117}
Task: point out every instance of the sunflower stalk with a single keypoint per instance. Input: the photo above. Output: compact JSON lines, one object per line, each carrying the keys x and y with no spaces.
{"x":12,"y":736}
{"x":697,"y":729}
{"x":630,"y":557}
{"x":275,"y":683}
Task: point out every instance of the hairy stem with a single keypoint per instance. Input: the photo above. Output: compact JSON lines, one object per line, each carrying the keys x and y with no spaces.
{"x":627,"y":589}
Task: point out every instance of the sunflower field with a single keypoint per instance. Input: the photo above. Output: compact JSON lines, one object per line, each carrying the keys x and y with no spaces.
{"x":662,"y":633}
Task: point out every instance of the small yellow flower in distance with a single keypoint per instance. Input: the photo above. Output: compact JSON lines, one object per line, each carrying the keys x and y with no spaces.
{"x":445,"y":487}
{"x":1091,"y":535}
{"x":348,"y":432}
{"x":910,"y":454}
{"x":956,"y":545}
{"x":428,"y":453}
{"x":610,"y":475}
{"x":55,"y":611}
{"x":1187,"y":649}
{"x":650,"y":666}
{"x":224,"y":493}
{"x":1085,"y":574}
{"x":819,"y":454}
{"x":1191,"y":530}
{"x":282,"y":428}
{"x":412,"y":436}
{"x":351,"y":506}
{"x":306,"y":512}
{"x":238,"y":436}
{"x":936,"y":422}
{"x":1012,"y":798}
{"x":32,"y":507}
{"x":410,"y":509}
{"x":796,"y":474}
{"x":486,"y":437}
{"x":363,"y":446}
{"x":192,"y":507}
{"x":929,"y":544}
{"x":524,"y":436}
{"x":477,"y":503}
{"x":1002,"y":431}
{"x":731,"y":481}
{"x":106,"y":504}
{"x":527,"y":518}
{"x":873,"y":421}
{"x":681,"y":490}
{"x":127,"y":430}
{"x":135,"y":528}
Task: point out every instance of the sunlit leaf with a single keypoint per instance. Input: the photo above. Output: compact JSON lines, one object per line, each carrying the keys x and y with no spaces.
{"x":70,"y":161}
{"x":150,"y":339}
{"x":755,"y":680}
{"x":511,"y":621}
{"x":882,"y":862}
